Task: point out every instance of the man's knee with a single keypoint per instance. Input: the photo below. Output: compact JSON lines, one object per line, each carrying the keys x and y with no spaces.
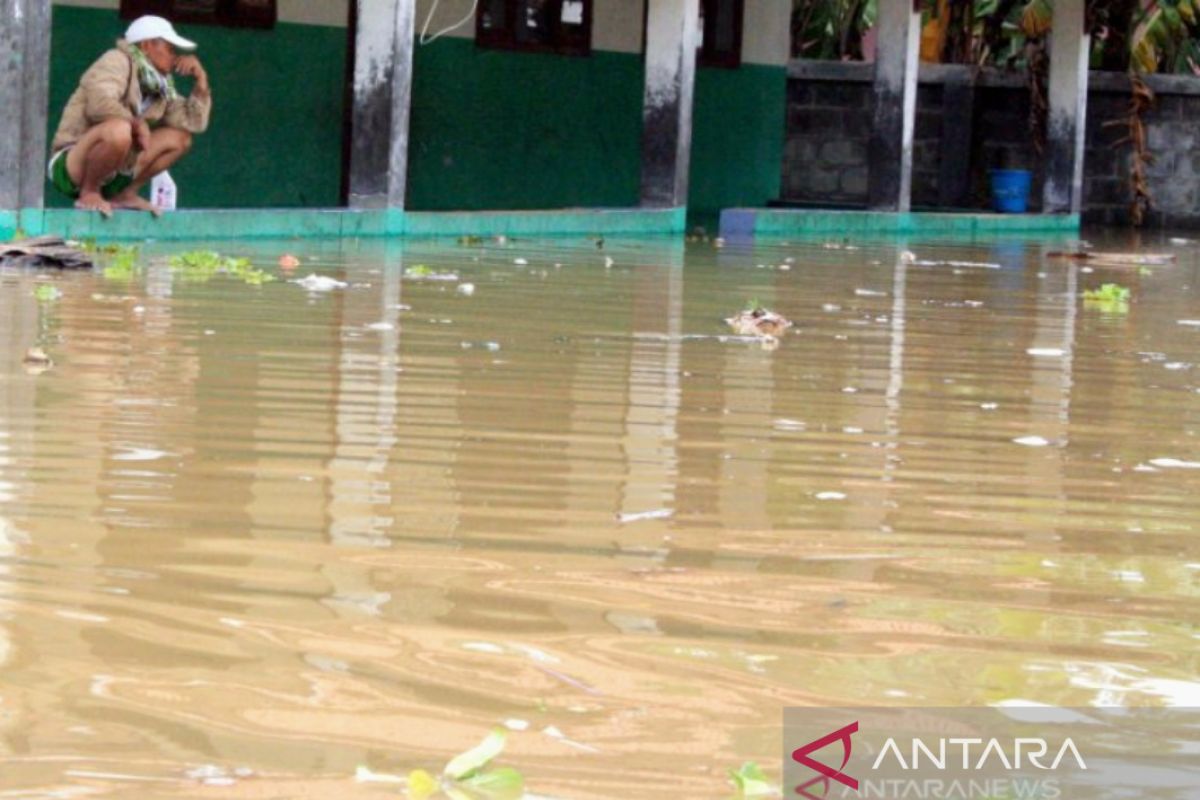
{"x":116,"y":133}
{"x":179,"y":139}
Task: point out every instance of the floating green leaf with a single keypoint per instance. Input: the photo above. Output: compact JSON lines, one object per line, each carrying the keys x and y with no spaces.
{"x":464,"y":765}
{"x":1110,"y":297}
{"x":418,"y":271}
{"x":751,"y":782}
{"x":504,"y":783}
{"x":46,"y":293}
{"x":200,"y":266}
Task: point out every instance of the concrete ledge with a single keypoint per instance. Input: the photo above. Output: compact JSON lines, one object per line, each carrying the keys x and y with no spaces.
{"x":747,"y":222}
{"x":289,"y":223}
{"x":631,"y":221}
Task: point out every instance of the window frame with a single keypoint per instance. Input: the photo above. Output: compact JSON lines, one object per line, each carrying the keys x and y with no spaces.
{"x":226,"y":13}
{"x":506,"y":39}
{"x":707,"y":55}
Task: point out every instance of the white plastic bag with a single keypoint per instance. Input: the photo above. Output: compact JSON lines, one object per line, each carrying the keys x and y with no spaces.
{"x":163,"y":191}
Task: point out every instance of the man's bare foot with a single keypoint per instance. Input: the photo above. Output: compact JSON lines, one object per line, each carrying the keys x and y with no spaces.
{"x":135,"y":201}
{"x":92,"y":201}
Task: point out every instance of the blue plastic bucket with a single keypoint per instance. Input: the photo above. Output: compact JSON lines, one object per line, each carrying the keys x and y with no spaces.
{"x":1010,"y":190}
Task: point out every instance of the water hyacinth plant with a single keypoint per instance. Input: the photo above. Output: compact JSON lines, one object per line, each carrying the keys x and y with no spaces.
{"x":1111,"y":298}
{"x":200,"y":266}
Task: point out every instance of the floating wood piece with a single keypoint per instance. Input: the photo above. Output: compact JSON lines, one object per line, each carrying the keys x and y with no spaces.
{"x":44,"y":251}
{"x":1113,"y":259}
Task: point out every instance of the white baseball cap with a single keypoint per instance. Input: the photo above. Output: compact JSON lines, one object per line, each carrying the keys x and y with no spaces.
{"x":143,"y":29}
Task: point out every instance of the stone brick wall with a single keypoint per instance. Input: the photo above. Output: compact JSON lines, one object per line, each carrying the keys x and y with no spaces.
{"x":829,"y":119}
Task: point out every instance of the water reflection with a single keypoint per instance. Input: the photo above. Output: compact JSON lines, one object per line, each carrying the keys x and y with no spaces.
{"x":260,"y":532}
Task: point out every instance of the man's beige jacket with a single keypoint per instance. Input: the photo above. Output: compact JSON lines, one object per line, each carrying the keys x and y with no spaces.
{"x":109,"y":89}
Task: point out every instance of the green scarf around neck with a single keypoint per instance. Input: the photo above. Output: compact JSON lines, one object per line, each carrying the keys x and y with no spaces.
{"x":150,"y":79}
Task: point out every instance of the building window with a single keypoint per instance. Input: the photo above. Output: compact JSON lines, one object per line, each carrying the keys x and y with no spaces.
{"x":545,"y":26}
{"x":231,"y":13}
{"x":720,"y":34}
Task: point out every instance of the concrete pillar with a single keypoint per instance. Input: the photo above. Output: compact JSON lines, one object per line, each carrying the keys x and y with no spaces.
{"x":383,"y":50}
{"x":890,"y":146}
{"x":667,"y":105}
{"x":24,"y":87}
{"x":958,"y":112}
{"x":1065,"y":125}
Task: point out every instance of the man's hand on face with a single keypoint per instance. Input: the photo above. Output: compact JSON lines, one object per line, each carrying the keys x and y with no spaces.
{"x":141,"y":134}
{"x":190,"y":65}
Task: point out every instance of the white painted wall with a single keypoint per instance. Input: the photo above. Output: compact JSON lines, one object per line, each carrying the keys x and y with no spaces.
{"x":766,"y":32}
{"x":304,"y":12}
{"x":616,"y":24}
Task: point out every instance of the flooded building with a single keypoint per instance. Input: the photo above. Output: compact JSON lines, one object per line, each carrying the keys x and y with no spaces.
{"x":514,"y":104}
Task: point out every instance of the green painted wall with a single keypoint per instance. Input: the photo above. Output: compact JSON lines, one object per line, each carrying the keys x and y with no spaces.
{"x":489,"y":129}
{"x":738,"y":122}
{"x":497,"y":129}
{"x":276,"y":130}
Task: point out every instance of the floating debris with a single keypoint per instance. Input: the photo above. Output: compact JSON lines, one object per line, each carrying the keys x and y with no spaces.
{"x":47,"y":293}
{"x":37,"y":360}
{"x":1113,"y":259}
{"x":288,"y":261}
{"x":1174,"y":463}
{"x":466,"y":289}
{"x":758,"y":321}
{"x":1046,"y":352}
{"x":1032,"y":441}
{"x":44,"y":251}
{"x":422,"y":272}
{"x":320,"y":283}
{"x":658,"y":513}
{"x":1110,"y":297}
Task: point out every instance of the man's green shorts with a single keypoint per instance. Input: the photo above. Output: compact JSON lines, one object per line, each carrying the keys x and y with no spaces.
{"x":57,"y":172}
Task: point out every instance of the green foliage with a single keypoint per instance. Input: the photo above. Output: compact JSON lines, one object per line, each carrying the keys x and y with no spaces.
{"x":1141,"y":35}
{"x":122,"y":262}
{"x":46,"y":293}
{"x":418,"y":271}
{"x":467,"y":776}
{"x":831,"y":29}
{"x":750,"y":781}
{"x":201,"y":266}
{"x":753,"y":305}
{"x":1111,"y":298}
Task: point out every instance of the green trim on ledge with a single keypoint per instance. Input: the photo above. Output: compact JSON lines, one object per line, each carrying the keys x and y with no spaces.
{"x":283,"y":223}
{"x":815,"y":222}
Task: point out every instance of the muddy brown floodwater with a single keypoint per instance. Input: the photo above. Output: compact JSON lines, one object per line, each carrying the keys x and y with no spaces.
{"x":255,"y":537}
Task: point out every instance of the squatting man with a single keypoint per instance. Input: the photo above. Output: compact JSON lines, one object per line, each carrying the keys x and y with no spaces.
{"x":126,"y":122}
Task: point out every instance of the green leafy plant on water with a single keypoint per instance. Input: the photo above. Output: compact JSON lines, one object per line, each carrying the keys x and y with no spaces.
{"x":46,"y":293}
{"x":201,"y":266}
{"x":123,"y":262}
{"x":750,"y":781}
{"x":467,"y":776}
{"x":1110,"y":297}
{"x":418,"y":271}
{"x":753,"y":305}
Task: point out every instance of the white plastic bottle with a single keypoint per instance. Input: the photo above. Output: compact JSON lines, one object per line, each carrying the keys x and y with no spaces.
{"x":163,"y":191}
